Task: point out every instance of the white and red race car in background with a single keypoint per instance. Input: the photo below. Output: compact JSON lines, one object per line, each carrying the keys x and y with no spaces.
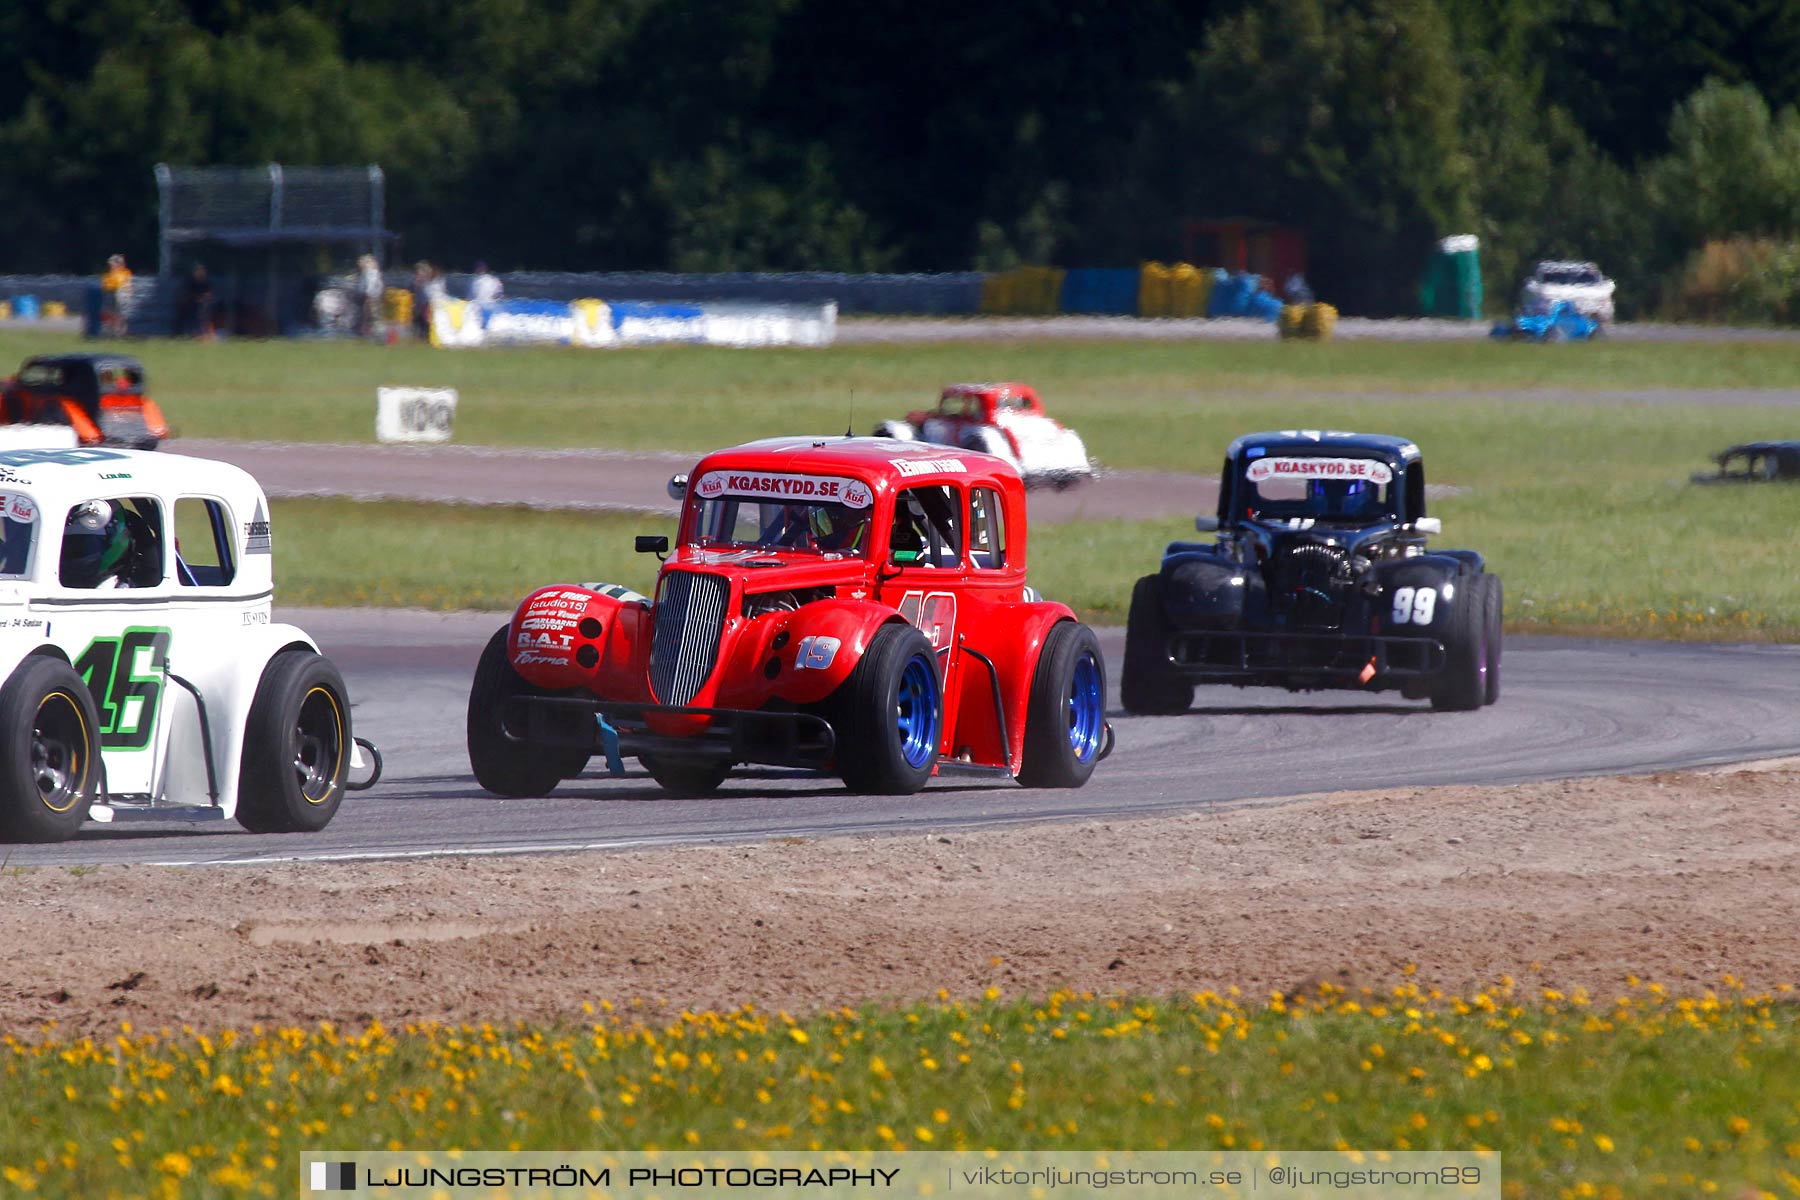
{"x":1585,"y":287}
{"x":1006,"y":420}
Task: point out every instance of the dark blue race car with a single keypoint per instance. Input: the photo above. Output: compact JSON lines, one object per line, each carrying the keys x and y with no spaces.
{"x":1320,"y":577}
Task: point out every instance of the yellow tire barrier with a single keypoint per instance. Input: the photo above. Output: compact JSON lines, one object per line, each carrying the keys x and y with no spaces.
{"x":1312,"y":322}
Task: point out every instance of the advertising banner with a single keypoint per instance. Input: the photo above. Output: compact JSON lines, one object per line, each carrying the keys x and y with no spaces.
{"x":598,"y":323}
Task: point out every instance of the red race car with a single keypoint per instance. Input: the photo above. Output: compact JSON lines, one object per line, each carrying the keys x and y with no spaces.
{"x":1006,"y":420}
{"x":849,"y":605}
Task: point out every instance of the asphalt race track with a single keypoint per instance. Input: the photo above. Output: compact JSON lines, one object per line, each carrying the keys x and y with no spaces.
{"x":612,"y":480}
{"x":1569,"y":707}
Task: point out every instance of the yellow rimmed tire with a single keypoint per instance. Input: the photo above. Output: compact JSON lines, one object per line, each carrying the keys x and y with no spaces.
{"x":49,"y":752}
{"x":296,"y":746}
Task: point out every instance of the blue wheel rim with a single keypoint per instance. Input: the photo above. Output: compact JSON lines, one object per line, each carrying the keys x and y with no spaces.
{"x":916,"y":711}
{"x":1086,"y":706}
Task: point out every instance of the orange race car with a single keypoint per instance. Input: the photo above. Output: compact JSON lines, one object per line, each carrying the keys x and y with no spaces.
{"x":100,"y":396}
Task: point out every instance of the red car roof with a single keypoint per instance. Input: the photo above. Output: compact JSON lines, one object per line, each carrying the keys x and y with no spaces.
{"x":875,"y":459}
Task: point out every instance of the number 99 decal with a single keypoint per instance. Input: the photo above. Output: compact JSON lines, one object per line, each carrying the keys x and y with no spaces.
{"x":1414,"y":606}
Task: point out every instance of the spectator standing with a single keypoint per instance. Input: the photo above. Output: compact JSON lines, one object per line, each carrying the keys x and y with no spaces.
{"x":369,"y":287}
{"x":423,"y":273}
{"x":485,"y":290}
{"x":194,"y":311}
{"x":113,"y":284}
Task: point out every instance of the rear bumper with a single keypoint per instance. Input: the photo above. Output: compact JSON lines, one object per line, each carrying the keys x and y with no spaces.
{"x":127,"y":428}
{"x":731,"y":735}
{"x":1206,"y":656}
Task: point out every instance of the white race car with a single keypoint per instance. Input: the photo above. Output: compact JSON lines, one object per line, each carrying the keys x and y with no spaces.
{"x":1006,"y":420}
{"x":1582,"y":284}
{"x":143,"y":674}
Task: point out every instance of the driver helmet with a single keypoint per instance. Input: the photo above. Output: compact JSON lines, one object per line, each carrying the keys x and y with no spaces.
{"x":834,"y":530}
{"x":1343,"y":498}
{"x":95,"y":544}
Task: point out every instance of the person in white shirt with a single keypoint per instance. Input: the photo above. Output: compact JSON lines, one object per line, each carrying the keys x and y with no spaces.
{"x":485,"y":289}
{"x":369,"y":289}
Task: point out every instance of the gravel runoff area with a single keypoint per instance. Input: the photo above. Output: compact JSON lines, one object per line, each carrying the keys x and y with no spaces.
{"x":1678,"y":878}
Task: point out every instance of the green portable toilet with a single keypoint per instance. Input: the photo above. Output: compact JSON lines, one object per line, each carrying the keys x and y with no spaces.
{"x":1452,"y":283}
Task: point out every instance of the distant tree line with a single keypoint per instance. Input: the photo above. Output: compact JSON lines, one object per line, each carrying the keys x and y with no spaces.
{"x":929,"y":135}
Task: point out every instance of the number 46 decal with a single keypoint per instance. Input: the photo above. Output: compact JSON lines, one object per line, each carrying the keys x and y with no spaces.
{"x":1414,"y":606}
{"x":120,"y":670}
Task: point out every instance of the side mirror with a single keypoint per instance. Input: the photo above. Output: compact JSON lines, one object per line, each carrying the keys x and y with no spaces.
{"x":1428,"y":525}
{"x":678,"y":487}
{"x":1206,"y":524}
{"x":656,"y":544}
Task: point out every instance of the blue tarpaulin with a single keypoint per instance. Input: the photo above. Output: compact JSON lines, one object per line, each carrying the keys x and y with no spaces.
{"x":1101,"y":290}
{"x":1241,"y":295}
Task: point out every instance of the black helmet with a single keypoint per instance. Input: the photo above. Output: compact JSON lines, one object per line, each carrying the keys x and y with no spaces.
{"x":95,"y":544}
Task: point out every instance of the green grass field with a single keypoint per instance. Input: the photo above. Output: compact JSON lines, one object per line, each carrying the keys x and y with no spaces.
{"x":1638,"y":1094}
{"x":1581,"y":501}
{"x":1668,"y":562}
{"x":1162,"y":405}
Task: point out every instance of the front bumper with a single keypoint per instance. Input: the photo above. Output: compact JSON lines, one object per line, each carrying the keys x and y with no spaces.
{"x":731,"y":735}
{"x":1224,"y":656}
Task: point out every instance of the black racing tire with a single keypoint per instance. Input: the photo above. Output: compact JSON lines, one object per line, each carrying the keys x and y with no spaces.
{"x":1462,"y":685}
{"x":686,"y":778}
{"x":49,"y":752}
{"x":505,"y":767}
{"x":297,"y":746}
{"x":889,"y":715}
{"x":1496,"y":632}
{"x":1147,"y":684}
{"x":1065,"y":714}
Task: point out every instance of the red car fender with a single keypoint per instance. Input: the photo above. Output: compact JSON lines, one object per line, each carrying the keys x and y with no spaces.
{"x":567,"y":636}
{"x":819,"y":646}
{"x":1018,"y":635}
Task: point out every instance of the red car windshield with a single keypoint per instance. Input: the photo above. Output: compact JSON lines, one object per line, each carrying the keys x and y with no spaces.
{"x":733,"y":522}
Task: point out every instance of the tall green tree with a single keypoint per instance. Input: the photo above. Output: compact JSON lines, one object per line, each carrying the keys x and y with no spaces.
{"x":1336,"y":116}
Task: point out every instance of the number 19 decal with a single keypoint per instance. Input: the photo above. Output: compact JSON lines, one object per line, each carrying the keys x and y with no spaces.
{"x":1414,"y":606}
{"x":125,"y":675}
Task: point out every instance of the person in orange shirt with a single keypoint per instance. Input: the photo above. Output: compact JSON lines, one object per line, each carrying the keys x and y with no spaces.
{"x":115,"y":281}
